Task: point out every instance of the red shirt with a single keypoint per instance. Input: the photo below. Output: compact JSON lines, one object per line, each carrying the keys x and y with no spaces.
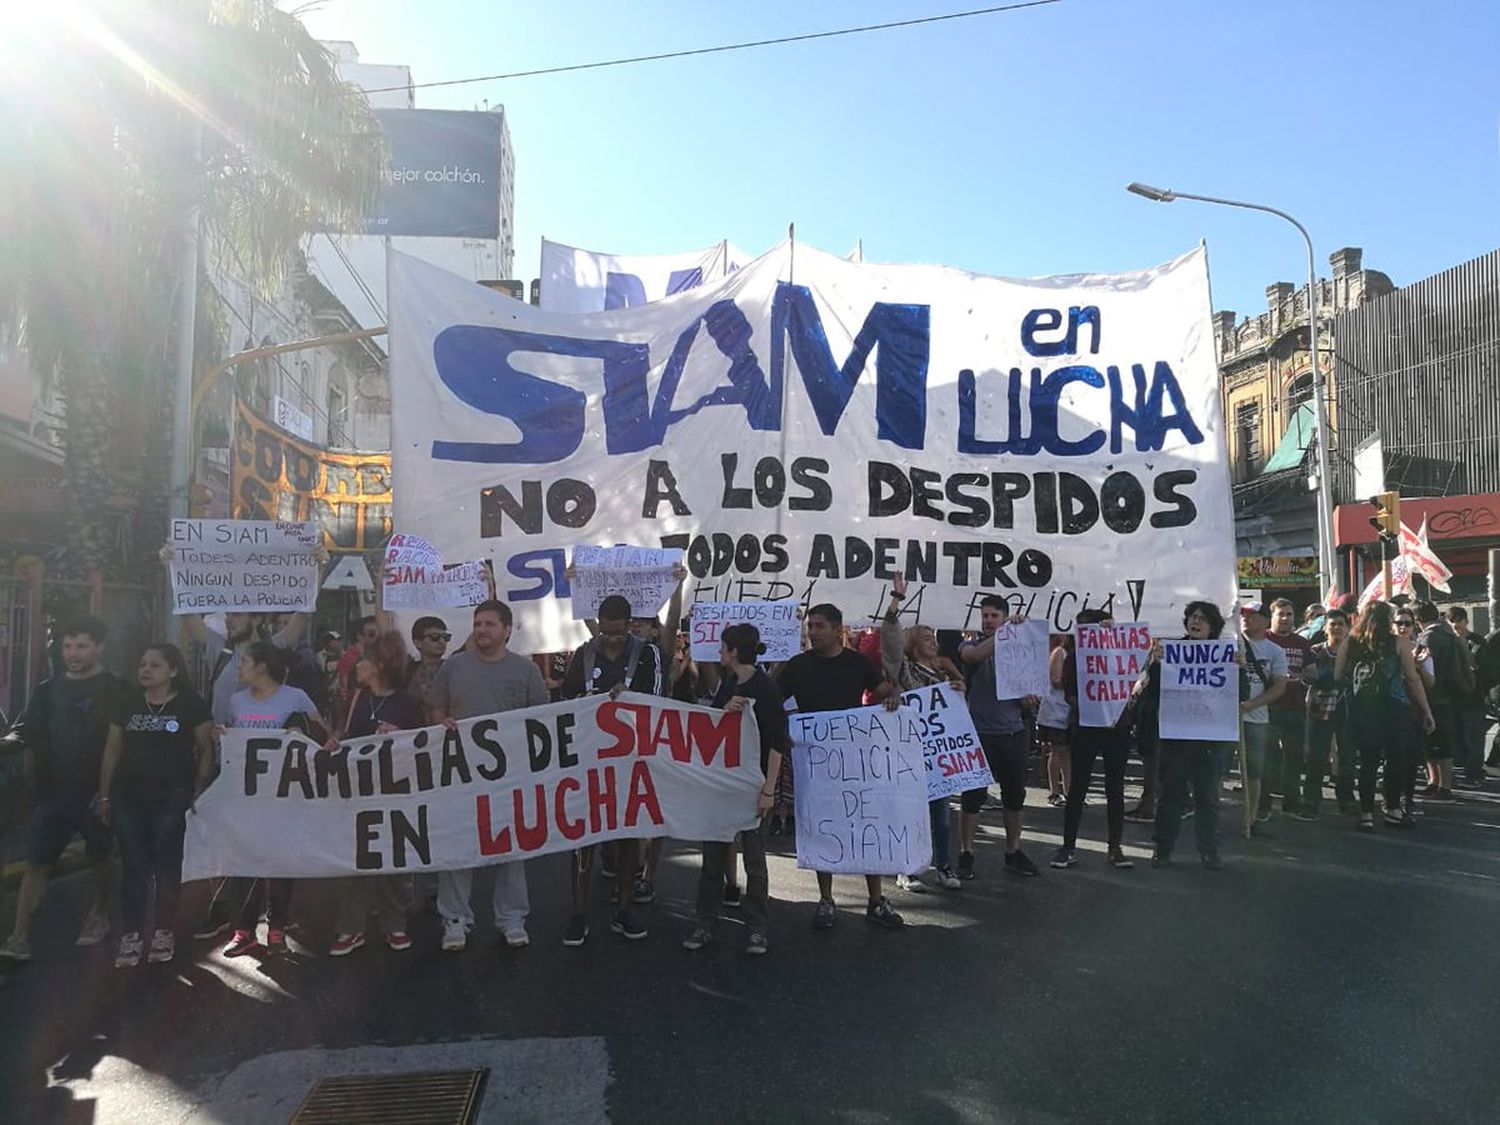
{"x":1296,"y":648}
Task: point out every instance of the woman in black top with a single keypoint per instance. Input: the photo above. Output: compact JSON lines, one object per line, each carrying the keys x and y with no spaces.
{"x":744,"y":685}
{"x":157,"y":756}
{"x":379,"y":706}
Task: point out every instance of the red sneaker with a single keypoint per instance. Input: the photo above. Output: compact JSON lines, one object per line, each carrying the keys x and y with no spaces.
{"x":276,"y":941}
{"x":241,"y":943}
{"x":398,"y":940}
{"x":345,"y":944}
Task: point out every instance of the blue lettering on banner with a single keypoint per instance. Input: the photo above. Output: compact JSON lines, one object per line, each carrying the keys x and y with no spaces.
{"x":473,"y":361}
{"x":626,"y":290}
{"x":547,"y":568}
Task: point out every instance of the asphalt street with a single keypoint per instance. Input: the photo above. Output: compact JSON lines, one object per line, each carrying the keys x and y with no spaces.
{"x":1322,"y":976}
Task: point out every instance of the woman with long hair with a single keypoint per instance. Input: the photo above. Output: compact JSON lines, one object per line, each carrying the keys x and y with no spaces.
{"x":267,"y":702}
{"x":158,"y":756}
{"x":1382,"y":689}
{"x":911,"y":660}
{"x":743,"y":685}
{"x":379,"y":706}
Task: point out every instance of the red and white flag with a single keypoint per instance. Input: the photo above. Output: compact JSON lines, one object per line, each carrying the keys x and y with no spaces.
{"x":1422,"y":559}
{"x":1400,"y":584}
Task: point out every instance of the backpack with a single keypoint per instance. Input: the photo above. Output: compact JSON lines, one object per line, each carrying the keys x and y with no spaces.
{"x":1373,"y":677}
{"x":634,"y":646}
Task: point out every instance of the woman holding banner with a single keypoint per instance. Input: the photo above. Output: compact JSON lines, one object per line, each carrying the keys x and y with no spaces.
{"x":379,"y":706}
{"x":744,"y":685}
{"x":1185,"y":760}
{"x":911,"y":660}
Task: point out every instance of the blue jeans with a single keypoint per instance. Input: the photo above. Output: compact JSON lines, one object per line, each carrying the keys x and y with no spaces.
{"x":1257,"y":743}
{"x":150,"y":831}
{"x":940,"y":814}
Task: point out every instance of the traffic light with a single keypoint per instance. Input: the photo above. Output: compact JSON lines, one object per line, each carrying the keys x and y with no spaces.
{"x":1387,"y":518}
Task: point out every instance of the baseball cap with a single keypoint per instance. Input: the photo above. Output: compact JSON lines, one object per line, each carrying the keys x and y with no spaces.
{"x":1254,"y":607}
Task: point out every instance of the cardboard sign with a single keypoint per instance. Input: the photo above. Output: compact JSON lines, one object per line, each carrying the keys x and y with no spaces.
{"x":500,"y":787}
{"x":1021,"y":660}
{"x":861,"y":792}
{"x":243,"y":566}
{"x":1200,"y":690}
{"x":641,"y":575}
{"x":778,"y":622}
{"x":1110,"y":659}
{"x":951,"y":753}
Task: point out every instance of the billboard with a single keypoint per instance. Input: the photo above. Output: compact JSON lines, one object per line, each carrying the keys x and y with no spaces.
{"x":443,"y":179}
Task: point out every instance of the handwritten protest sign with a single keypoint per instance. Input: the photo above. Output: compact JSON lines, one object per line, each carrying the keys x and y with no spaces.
{"x":641,"y":575}
{"x":243,"y":566}
{"x":1021,"y":660}
{"x":780,"y":627}
{"x":861,"y":792}
{"x":415,"y":578}
{"x":1200,"y":690}
{"x":950,"y":747}
{"x":1110,"y":659}
{"x":500,"y":787}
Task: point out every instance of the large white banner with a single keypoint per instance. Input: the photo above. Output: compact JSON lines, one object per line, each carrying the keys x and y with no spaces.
{"x":498,"y":788}
{"x":1055,"y":440}
{"x":579,"y":281}
{"x":861,"y":790}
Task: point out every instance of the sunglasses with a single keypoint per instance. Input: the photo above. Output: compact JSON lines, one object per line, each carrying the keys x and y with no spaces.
{"x":437,"y":636}
{"x":1404,"y":623}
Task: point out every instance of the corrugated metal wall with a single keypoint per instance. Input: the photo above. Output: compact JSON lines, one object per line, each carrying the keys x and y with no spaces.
{"x":1422,"y":365}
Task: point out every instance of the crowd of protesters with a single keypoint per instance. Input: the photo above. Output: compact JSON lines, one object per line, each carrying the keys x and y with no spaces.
{"x":1386,"y":706}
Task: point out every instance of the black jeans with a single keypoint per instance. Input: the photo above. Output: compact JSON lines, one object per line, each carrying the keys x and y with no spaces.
{"x":150,"y":831}
{"x":1089,"y":743}
{"x":1183,"y":761}
{"x":1394,"y":739}
{"x":1288,"y":747}
{"x":752,"y":843}
{"x":1321,"y":735}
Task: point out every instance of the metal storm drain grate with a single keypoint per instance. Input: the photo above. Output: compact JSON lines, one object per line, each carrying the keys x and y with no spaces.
{"x":435,"y":1097}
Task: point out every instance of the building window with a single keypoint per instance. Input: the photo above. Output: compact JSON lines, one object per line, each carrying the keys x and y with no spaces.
{"x":1247,"y":432}
{"x":336,"y":405}
{"x":1298,"y":392}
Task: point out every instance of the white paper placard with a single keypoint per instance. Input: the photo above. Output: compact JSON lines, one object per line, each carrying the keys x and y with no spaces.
{"x":1021,"y":666}
{"x":1200,"y":690}
{"x":1110,"y":659}
{"x":954,"y":760}
{"x":861,"y":792}
{"x":779,"y":624}
{"x":641,"y":575}
{"x":243,"y":566}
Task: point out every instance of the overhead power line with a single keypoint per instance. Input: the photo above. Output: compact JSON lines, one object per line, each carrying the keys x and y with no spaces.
{"x":995,"y":10}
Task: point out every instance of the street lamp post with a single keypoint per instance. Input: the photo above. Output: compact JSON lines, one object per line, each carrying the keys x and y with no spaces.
{"x":1320,"y":390}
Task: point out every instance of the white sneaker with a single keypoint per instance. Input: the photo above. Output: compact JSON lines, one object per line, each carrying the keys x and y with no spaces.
{"x":95,"y":930}
{"x":911,"y":883}
{"x":516,"y":937}
{"x":163,"y":947}
{"x":455,"y":935}
{"x":129,"y":955}
{"x":15,"y":949}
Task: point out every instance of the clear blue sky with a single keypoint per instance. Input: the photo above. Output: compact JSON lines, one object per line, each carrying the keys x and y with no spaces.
{"x":1000,"y":144}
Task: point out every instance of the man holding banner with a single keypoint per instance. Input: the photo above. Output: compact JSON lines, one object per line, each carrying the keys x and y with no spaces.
{"x":830,"y":677}
{"x":482,"y":680}
{"x":1002,"y":733}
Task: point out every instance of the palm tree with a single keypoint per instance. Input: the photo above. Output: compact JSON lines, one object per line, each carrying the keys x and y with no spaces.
{"x":121,"y":117}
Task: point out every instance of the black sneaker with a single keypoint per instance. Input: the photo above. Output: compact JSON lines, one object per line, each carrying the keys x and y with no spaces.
{"x":1119,"y":860}
{"x":1306,"y":815}
{"x":966,"y":865}
{"x":700,"y":938}
{"x":1017,"y":863}
{"x":732,"y":896}
{"x":882,"y":915}
{"x":755,"y":944}
{"x":1212,"y":861}
{"x":1161,"y":858}
{"x":626,"y":926}
{"x":1442,"y":797}
{"x":577,"y":932}
{"x":1064,"y":857}
{"x":645,"y":891}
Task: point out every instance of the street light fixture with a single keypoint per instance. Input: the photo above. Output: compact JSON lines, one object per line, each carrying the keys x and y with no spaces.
{"x":1320,"y":390}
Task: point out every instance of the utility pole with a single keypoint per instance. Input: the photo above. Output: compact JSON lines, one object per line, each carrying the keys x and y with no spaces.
{"x":185,"y":314}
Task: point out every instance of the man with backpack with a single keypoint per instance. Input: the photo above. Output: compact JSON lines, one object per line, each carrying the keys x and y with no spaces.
{"x":615,"y":660}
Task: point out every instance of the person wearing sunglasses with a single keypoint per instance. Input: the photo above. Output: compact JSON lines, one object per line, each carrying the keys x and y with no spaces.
{"x":430,"y":636}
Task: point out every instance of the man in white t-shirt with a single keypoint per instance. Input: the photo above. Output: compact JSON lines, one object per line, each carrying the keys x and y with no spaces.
{"x":1266,"y":669}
